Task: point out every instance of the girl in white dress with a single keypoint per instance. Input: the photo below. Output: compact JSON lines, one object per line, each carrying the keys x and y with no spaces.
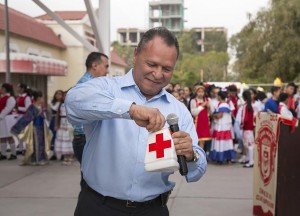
{"x":7,"y":119}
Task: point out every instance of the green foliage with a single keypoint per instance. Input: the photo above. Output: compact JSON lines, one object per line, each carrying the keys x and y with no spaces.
{"x":191,"y":62}
{"x":214,"y":66}
{"x":187,"y":42}
{"x":215,"y":41}
{"x":125,"y":52}
{"x":268,"y":46}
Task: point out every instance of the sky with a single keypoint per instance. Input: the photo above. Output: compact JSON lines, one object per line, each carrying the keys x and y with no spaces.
{"x":231,"y":14}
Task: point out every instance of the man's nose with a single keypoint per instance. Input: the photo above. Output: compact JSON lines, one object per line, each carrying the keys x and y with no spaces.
{"x":158,"y":73}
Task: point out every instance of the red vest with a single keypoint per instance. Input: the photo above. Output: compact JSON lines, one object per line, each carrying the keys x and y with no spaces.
{"x":21,"y":103}
{"x":3,"y":101}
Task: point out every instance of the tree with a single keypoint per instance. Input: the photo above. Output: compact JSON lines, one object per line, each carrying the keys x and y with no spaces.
{"x":125,"y":52}
{"x":267,"y":46}
{"x":215,"y":41}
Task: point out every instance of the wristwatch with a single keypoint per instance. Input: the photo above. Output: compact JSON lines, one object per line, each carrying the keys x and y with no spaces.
{"x":195,"y":157}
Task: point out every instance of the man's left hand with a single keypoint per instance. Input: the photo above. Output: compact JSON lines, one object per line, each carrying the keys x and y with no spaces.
{"x":183,"y":144}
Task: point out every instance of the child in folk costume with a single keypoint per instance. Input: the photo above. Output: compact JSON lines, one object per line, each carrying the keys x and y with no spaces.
{"x":7,"y":120}
{"x":222,"y":142}
{"x":200,"y":112}
{"x":32,"y":128}
{"x":247,"y":125}
{"x":283,"y":108}
{"x":23,"y":103}
{"x":63,"y":141}
{"x":56,"y":100}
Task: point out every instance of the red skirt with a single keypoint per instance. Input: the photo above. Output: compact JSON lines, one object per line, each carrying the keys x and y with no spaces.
{"x":202,"y":125}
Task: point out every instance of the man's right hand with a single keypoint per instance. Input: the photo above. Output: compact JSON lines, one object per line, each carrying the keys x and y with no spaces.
{"x":150,"y":118}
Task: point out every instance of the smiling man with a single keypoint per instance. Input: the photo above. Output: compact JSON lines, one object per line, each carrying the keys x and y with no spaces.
{"x":118,"y":114}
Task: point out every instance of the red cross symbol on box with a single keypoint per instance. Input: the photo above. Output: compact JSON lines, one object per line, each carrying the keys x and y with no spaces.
{"x":160,"y":145}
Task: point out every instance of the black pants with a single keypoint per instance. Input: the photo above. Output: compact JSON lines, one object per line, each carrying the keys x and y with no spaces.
{"x":78,"y":146}
{"x":92,"y":204}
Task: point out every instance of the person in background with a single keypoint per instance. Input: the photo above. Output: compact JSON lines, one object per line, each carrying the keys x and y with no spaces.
{"x":55,"y":102}
{"x":179,"y":97}
{"x":272,"y":103}
{"x":169,"y":88}
{"x":64,"y":134}
{"x":33,"y":129}
{"x":290,"y":90}
{"x":193,"y":95}
{"x":176,"y":87}
{"x":255,"y":104}
{"x":283,"y":108}
{"x":233,"y":97}
{"x":261,"y":98}
{"x":222,"y":138}
{"x":23,"y":102}
{"x":97,"y":65}
{"x":187,"y":93}
{"x":7,"y":120}
{"x":247,"y":125}
{"x":200,"y":111}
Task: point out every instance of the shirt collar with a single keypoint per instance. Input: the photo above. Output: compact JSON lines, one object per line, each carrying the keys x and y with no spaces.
{"x":128,"y":81}
{"x":87,"y":74}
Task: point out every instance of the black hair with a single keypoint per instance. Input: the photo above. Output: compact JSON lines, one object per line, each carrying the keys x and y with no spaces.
{"x":253,"y":90}
{"x":222,"y":94}
{"x":92,"y":57}
{"x":275,"y":89}
{"x":54,"y":100}
{"x":26,"y":89}
{"x":260,"y":96}
{"x":232,"y":88}
{"x":283,"y":96}
{"x":247,"y":98}
{"x":198,"y":84}
{"x":9,"y":88}
{"x":162,"y":32}
{"x":36,"y":94}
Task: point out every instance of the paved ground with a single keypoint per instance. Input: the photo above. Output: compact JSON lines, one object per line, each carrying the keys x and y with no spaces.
{"x":52,"y":191}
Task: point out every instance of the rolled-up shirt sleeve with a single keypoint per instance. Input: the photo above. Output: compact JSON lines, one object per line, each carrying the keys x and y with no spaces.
{"x":95,"y":100}
{"x":195,"y":169}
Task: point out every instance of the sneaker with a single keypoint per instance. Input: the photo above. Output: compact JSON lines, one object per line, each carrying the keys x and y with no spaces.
{"x":2,"y":157}
{"x":12,"y":157}
{"x":65,"y":162}
{"x":245,"y":162}
{"x":242,"y":159}
{"x":248,"y":165}
{"x":42,"y":163}
{"x":53,"y":158}
{"x":19,"y":152}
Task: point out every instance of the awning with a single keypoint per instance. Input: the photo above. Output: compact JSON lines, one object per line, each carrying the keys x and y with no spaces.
{"x":30,"y":64}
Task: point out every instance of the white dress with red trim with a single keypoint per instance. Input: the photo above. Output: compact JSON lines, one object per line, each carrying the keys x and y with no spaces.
{"x":222,"y":142}
{"x":63,"y":141}
{"x":7,"y":117}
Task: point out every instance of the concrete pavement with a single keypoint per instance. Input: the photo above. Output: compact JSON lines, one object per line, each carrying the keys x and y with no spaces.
{"x":52,"y":191}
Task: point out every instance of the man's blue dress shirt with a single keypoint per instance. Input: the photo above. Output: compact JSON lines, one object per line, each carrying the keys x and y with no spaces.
{"x":78,"y":128}
{"x":113,"y":157}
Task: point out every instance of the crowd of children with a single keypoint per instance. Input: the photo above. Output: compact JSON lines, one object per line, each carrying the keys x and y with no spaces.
{"x":225,"y":122}
{"x":24,"y":124}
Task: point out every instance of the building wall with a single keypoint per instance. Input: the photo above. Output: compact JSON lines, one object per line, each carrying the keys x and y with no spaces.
{"x":75,"y":57}
{"x":25,"y":45}
{"x":21,"y":44}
